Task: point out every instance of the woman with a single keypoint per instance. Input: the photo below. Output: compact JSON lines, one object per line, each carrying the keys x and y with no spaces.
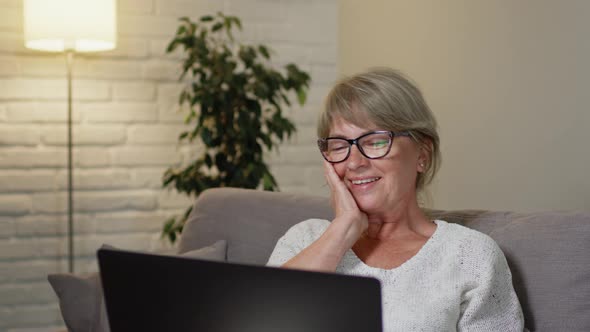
{"x":381,"y":148}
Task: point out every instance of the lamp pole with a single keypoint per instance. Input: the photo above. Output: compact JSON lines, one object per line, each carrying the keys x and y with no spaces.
{"x":69,"y":62}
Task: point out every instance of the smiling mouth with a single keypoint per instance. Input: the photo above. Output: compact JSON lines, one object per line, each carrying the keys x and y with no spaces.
{"x":364,"y":181}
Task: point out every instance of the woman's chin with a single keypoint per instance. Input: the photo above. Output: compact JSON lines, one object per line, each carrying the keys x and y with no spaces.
{"x":366,"y":204}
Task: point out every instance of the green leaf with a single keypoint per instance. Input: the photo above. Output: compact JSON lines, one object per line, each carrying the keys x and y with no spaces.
{"x":267,"y":141}
{"x":301,"y":96}
{"x":207,"y":18}
{"x":172,"y":46}
{"x":208,"y":161}
{"x":237,"y":21}
{"x":247,"y":55}
{"x":221,"y":160}
{"x":217,"y":26}
{"x":206,"y":136}
{"x":227,"y":23}
{"x":264,"y":51}
{"x":169,"y":230}
{"x":181,"y":30}
{"x":285,"y":99}
{"x":268,"y":181}
{"x":187,"y":213}
{"x":183,"y":97}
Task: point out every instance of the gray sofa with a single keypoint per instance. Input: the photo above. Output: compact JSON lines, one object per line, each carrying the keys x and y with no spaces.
{"x":548,"y":252}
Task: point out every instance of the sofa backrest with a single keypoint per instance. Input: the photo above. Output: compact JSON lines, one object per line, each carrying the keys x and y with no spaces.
{"x":251,"y":221}
{"x":548,"y":252}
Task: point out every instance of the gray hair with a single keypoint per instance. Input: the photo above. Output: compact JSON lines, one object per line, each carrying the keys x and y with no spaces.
{"x":388,"y":99}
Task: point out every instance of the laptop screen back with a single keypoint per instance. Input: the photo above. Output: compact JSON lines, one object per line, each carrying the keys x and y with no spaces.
{"x":147,"y":292}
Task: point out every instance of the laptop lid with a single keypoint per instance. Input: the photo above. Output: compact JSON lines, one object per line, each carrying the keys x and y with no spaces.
{"x":148,"y":292}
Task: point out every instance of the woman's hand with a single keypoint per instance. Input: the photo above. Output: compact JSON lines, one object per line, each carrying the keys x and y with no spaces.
{"x":347,"y":213}
{"x":327,"y":251}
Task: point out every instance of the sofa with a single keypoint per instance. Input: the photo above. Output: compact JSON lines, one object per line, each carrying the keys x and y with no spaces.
{"x":548,"y":252}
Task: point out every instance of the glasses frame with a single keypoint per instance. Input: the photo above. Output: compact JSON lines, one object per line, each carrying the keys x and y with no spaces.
{"x":392,"y":134}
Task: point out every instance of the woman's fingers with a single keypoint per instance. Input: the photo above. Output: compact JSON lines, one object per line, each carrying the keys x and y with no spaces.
{"x":345,"y":208}
{"x":336,"y":185}
{"x":342,"y":199}
{"x":331,"y":176}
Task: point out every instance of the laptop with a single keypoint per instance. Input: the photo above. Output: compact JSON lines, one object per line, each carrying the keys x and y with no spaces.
{"x":149,"y":292}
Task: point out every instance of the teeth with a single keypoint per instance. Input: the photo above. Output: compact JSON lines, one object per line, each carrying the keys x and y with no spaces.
{"x":363,"y":181}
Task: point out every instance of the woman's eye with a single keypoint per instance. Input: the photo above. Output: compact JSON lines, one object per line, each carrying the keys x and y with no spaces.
{"x":378,"y":144}
{"x":337,"y":148}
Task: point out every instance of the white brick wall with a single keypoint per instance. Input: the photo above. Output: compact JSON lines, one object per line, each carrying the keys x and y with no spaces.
{"x":126,"y":124}
{"x":134,"y":91}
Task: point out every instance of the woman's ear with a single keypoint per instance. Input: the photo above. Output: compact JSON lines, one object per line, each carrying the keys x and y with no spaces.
{"x":424,"y":156}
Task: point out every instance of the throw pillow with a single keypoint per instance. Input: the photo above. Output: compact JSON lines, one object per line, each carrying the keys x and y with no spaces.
{"x":215,"y":252}
{"x":81,"y":298}
{"x":81,"y":301}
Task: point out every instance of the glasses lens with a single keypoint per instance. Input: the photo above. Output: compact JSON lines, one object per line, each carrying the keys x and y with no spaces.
{"x":335,"y":149}
{"x":375,"y":145}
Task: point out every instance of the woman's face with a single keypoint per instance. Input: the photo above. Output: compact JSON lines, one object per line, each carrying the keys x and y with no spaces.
{"x":379,"y":185}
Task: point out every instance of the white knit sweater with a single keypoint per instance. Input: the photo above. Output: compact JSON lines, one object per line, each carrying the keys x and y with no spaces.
{"x":458,"y":281}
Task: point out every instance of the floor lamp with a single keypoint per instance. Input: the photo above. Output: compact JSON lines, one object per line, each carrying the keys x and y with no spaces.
{"x":70,"y":26}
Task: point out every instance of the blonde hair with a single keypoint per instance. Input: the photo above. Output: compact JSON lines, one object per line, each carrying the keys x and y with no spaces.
{"x":386,"y":98}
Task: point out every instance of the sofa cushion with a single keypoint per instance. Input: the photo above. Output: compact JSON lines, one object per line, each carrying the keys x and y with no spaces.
{"x":550,"y":264}
{"x":81,"y":297}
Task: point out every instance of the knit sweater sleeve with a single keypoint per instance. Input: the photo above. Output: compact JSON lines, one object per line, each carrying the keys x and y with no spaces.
{"x":296,"y":239}
{"x":489,"y":303}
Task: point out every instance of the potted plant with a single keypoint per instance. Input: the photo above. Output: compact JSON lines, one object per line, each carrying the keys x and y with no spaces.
{"x":236,"y":102}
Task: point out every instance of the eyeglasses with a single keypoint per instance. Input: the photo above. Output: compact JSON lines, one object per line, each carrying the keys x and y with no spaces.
{"x":373,"y":145}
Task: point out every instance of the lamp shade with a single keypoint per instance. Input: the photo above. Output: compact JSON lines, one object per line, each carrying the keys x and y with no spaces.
{"x":77,"y":25}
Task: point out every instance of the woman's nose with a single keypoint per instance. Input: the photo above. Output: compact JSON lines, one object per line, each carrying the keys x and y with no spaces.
{"x":356,"y":158}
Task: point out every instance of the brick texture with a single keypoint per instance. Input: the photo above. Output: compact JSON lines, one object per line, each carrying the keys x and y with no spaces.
{"x":134,"y":91}
{"x":40,"y":112}
{"x":126,"y":124}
